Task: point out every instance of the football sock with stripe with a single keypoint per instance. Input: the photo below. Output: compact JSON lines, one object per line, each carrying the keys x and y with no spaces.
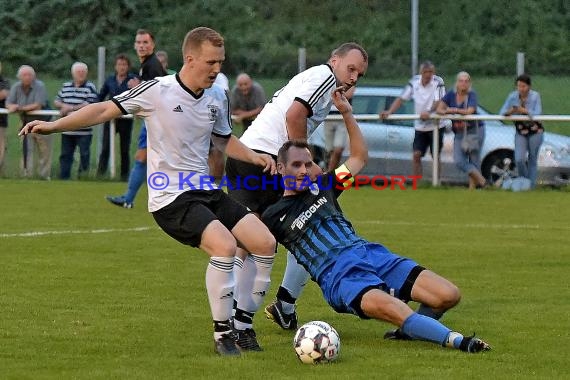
{"x":220,"y":288}
{"x":238,"y":272}
{"x":253,"y":285}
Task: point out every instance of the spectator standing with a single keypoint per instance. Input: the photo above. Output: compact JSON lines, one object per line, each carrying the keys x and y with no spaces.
{"x":150,"y":69}
{"x":115,"y":85}
{"x":29,"y":94}
{"x":4,"y":91}
{"x":426,"y":90}
{"x":469,"y":135}
{"x":163,"y":58}
{"x":529,"y":134}
{"x":247,"y":100}
{"x":75,"y":95}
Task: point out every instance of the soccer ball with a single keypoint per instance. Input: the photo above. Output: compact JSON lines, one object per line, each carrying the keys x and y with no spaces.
{"x":316,"y":342}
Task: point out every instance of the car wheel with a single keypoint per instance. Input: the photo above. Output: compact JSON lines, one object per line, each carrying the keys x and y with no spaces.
{"x":498,"y":165}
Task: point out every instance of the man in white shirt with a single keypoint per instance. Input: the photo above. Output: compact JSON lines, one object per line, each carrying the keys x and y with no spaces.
{"x":426,"y":89}
{"x":183,"y":112}
{"x":294,"y":112}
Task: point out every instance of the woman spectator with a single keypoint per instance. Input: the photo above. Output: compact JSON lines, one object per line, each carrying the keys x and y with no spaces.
{"x":529,"y":134}
{"x":116,"y":84}
{"x":469,"y":135}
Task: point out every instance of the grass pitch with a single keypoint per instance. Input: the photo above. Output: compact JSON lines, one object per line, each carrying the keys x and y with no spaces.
{"x":92,"y":291}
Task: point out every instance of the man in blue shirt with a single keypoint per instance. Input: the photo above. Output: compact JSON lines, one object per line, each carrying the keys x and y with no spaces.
{"x":530,"y":134}
{"x":115,"y":85}
{"x":356,"y":276}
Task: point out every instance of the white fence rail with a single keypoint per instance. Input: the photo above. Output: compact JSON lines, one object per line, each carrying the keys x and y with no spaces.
{"x":112,"y":169}
{"x":361,"y":117}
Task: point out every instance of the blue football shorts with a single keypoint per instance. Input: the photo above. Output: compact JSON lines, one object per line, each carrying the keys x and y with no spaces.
{"x":366,"y":267}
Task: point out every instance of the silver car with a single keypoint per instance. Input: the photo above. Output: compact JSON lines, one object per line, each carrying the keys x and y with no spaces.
{"x":390,"y":144}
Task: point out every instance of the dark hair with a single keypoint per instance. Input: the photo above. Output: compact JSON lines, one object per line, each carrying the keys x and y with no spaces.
{"x":343,"y":50}
{"x":282,"y":155}
{"x":525,"y":78}
{"x":144,"y":31}
{"x":123,"y":57}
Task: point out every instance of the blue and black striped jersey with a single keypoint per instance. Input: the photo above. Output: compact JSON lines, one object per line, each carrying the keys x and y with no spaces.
{"x":311,"y":225}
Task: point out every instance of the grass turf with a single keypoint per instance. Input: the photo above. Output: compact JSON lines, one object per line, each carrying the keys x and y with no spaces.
{"x":95,"y":298}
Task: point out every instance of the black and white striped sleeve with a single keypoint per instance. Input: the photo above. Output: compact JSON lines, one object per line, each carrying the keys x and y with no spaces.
{"x":317,"y":84}
{"x":138,"y":99}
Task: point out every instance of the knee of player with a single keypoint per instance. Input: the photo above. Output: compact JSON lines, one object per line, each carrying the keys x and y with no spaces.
{"x":266,"y":244}
{"x":451,"y":295}
{"x":226,"y":247}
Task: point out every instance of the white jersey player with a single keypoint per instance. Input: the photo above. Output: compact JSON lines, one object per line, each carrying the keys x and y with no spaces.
{"x":182,"y":114}
{"x":294,"y":112}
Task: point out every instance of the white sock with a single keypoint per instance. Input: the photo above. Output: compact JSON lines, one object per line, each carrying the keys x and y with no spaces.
{"x":220,"y":288}
{"x":254,"y":283}
{"x":294,"y":280}
{"x":238,"y":274}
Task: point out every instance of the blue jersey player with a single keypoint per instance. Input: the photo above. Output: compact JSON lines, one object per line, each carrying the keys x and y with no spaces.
{"x":356,"y":276}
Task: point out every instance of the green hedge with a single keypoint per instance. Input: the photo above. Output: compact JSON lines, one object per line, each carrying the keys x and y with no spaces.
{"x":263,"y":37}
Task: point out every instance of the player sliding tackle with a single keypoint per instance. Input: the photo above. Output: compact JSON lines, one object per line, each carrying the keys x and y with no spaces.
{"x":357,"y":276}
{"x":182,"y":113}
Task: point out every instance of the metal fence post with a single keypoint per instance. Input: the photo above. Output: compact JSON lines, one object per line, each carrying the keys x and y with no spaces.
{"x":520,"y":63}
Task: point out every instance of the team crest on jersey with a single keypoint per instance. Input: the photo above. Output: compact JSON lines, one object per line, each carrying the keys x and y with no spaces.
{"x":213,"y":114}
{"x":314,"y":188}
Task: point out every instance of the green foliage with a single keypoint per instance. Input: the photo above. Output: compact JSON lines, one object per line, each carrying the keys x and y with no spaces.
{"x":263,"y":37}
{"x":120,"y":303}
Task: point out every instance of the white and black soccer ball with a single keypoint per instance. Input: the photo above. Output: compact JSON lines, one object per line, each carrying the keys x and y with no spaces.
{"x":316,"y":342}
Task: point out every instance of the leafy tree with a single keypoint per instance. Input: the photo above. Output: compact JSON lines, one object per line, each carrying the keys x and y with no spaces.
{"x":263,"y":37}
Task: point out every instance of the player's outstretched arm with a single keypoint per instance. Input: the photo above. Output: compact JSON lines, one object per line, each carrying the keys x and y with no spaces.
{"x":92,"y":114}
{"x":236,"y":149}
{"x":358,"y":149}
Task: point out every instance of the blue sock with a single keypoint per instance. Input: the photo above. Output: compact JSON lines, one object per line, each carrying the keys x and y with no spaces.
{"x":136,"y":179}
{"x":424,"y":328}
{"x":428,"y":312}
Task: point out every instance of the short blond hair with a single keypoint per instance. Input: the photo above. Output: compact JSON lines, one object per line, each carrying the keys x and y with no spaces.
{"x":197,"y":36}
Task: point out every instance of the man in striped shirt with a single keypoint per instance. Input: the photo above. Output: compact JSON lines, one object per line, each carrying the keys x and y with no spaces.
{"x":74,"y":95}
{"x":356,"y":276}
